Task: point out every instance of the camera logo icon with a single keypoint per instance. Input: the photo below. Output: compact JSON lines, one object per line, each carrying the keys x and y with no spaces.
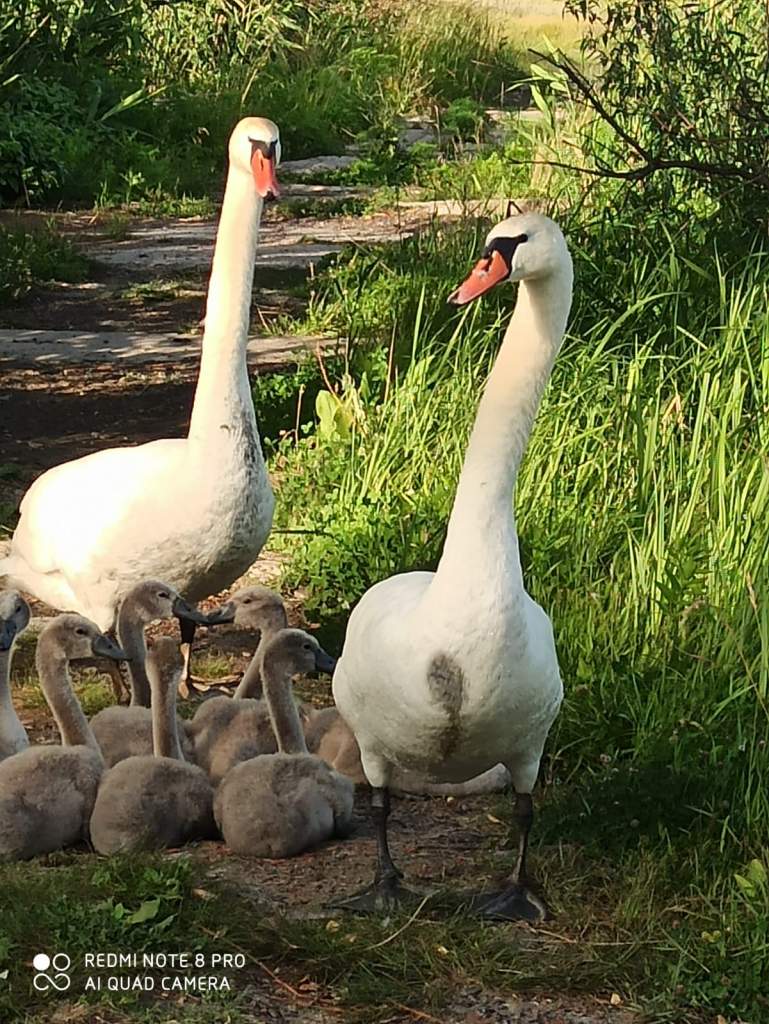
{"x":58,"y":965}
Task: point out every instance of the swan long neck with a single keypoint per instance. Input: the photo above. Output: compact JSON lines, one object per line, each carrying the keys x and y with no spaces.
{"x":251,"y":683}
{"x":223,"y":398}
{"x":6,"y":704}
{"x":481,"y":535}
{"x":165,"y":728}
{"x":53,"y":670}
{"x":130,"y":632}
{"x":281,"y":705}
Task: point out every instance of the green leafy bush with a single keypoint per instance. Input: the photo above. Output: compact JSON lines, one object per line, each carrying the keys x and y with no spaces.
{"x":93,"y":94}
{"x":678,"y":118}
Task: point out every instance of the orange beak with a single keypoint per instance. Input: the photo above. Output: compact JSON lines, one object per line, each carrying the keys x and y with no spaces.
{"x":263,"y":169}
{"x":485,"y":274}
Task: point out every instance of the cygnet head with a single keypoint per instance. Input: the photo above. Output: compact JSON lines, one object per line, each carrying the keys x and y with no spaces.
{"x":75,"y":637}
{"x":164,"y":663}
{"x":153,"y":599}
{"x":525,"y":247}
{"x":253,"y":608}
{"x":293,"y":652}
{"x":14,"y":617}
{"x":255,"y":149}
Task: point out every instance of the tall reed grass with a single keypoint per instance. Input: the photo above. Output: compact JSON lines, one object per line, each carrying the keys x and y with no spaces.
{"x":643,"y":512}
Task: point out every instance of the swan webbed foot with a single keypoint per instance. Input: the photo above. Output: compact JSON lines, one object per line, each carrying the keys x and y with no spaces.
{"x":516,"y":903}
{"x":383,"y":895}
{"x":193,"y":685}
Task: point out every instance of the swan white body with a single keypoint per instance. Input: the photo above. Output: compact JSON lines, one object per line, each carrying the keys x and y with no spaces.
{"x":193,"y":511}
{"x":448,"y":673}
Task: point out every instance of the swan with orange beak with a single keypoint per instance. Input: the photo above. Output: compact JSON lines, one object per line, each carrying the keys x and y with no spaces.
{"x":449,"y":673}
{"x":193,"y":511}
{"x":265,"y":157}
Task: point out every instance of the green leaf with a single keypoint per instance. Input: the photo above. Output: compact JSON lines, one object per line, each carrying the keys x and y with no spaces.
{"x":757,"y":873}
{"x":146,"y":912}
{"x":746,"y":886}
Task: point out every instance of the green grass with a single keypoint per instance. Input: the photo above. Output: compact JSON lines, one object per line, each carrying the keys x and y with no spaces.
{"x":614,"y":922}
{"x":28,"y":258}
{"x":301,"y":207}
{"x":419,"y":957}
{"x":161,"y":290}
{"x":83,"y":905}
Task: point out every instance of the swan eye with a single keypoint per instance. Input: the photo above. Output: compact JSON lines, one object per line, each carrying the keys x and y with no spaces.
{"x":80,"y":631}
{"x":164,"y":594}
{"x":247,"y":600}
{"x":307,"y":647}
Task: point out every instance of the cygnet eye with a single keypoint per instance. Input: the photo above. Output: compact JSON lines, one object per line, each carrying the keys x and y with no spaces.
{"x":247,"y":600}
{"x":80,"y":631}
{"x":164,"y":594}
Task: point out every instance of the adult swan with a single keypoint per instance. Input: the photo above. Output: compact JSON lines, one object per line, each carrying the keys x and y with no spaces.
{"x":448,"y":673}
{"x":194,"y":511}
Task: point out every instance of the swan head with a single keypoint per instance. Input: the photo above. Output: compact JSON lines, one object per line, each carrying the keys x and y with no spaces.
{"x":76,"y":637}
{"x":293,"y":652}
{"x":525,"y":247}
{"x":153,"y":599}
{"x":255,"y":149}
{"x":14,"y":617}
{"x":253,"y":608}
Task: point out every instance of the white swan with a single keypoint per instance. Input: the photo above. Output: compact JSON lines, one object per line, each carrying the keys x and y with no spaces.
{"x":448,"y":673}
{"x":194,"y":511}
{"x":330,"y":737}
{"x":14,"y":619}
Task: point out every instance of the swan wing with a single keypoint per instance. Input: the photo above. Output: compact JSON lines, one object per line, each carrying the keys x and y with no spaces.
{"x":79,"y":516}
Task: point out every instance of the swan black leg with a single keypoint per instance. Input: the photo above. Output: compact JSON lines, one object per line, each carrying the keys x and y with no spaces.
{"x":385,"y":891}
{"x":516,"y":902}
{"x":386,"y":872}
{"x":187,"y":635}
{"x":119,"y":685}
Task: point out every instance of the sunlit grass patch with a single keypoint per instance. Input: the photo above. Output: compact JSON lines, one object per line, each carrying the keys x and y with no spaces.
{"x":28,"y":258}
{"x":163,"y":290}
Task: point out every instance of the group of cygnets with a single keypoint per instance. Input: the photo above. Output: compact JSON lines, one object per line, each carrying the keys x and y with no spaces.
{"x":139,"y":776}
